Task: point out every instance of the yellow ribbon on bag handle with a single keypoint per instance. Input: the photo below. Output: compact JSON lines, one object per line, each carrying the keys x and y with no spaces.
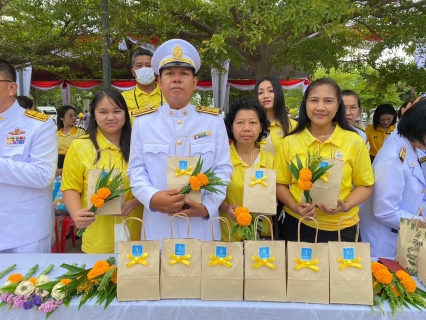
{"x":180,"y":259}
{"x":139,"y":260}
{"x":220,"y":261}
{"x":307,"y":264}
{"x":180,"y":172}
{"x":349,"y":263}
{"x":264,"y":262}
{"x":258,"y":181}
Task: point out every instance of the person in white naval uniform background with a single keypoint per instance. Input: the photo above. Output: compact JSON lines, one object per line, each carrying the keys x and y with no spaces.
{"x":153,"y":141}
{"x":400,"y":185}
{"x":28,"y":156}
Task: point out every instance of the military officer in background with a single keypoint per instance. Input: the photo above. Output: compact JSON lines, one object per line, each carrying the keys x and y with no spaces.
{"x":28,"y":156}
{"x":177,"y":129}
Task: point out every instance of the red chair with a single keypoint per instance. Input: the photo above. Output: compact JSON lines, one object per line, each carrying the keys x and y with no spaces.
{"x":55,"y":246}
{"x":67,"y":223}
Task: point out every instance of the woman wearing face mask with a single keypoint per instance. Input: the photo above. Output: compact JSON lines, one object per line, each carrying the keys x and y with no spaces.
{"x":246,"y":124}
{"x":110,"y":131}
{"x":147,"y":93}
{"x":353,"y":111}
{"x":384,"y":120}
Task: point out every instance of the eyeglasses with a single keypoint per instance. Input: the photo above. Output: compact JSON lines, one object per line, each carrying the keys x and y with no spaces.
{"x":7,"y":81}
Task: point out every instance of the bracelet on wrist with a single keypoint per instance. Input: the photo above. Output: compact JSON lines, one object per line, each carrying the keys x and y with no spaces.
{"x":350,"y":205}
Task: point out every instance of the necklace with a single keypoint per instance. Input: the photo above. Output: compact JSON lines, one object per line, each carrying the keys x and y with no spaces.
{"x":146,"y":103}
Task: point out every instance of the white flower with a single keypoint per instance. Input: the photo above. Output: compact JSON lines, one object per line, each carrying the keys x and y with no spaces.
{"x":42,"y":279}
{"x":41,"y":292}
{"x":56,"y":294}
{"x":5,"y":284}
{"x":24,"y":288}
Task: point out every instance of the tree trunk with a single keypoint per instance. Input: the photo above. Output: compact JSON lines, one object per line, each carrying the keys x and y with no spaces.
{"x":262,"y":66}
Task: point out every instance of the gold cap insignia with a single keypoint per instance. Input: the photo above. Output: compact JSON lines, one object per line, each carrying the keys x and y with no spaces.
{"x":177,"y":52}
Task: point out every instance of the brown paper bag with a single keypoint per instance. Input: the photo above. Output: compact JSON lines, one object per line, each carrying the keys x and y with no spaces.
{"x":308,"y":270}
{"x":411,"y":237}
{"x":179,"y":170}
{"x":260,"y":195}
{"x":113,"y":206}
{"x":422,"y":264}
{"x":265,"y":268}
{"x":222,"y":268}
{"x":139,"y":265}
{"x":180,"y":276}
{"x":350,"y":271}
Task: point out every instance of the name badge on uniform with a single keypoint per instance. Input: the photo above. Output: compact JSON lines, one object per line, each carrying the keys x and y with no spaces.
{"x":137,"y":250}
{"x":183,"y":164}
{"x":221,"y":251}
{"x":306,"y":254}
{"x":264,"y":252}
{"x":258,"y":174}
{"x":348,"y":253}
{"x":180,"y":249}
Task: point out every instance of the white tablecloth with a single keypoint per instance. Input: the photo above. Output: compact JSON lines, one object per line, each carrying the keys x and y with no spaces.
{"x":180,"y":309}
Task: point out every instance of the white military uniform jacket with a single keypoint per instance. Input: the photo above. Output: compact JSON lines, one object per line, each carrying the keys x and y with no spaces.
{"x":28,"y":159}
{"x":399,"y":190}
{"x":153,"y":141}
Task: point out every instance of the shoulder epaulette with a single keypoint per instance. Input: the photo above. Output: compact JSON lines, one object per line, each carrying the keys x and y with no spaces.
{"x":422,"y":159}
{"x":140,"y":112}
{"x":359,"y":127}
{"x":36,"y":115}
{"x":210,"y":110}
{"x":402,"y":154}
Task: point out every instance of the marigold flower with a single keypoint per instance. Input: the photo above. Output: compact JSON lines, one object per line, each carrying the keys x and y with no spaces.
{"x":97,"y":201}
{"x":16,"y":277}
{"x":406,"y":280}
{"x":240,"y":210}
{"x":104,"y":193}
{"x":305,"y":185}
{"x":101,"y":264}
{"x":395,"y":290}
{"x":195,"y":183}
{"x":305,"y":174}
{"x":32,"y":280}
{"x":376,"y":266}
{"x":65,"y":281}
{"x":99,"y":268}
{"x":383,"y":276}
{"x":83,"y":287}
{"x":244,"y":219}
{"x":203,"y":179}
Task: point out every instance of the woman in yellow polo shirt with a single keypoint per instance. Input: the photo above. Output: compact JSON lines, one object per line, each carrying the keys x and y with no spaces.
{"x":109,"y":131}
{"x":67,"y":132}
{"x":322,"y":123}
{"x":384,"y":120}
{"x":269,"y":92}
{"x":246,"y":124}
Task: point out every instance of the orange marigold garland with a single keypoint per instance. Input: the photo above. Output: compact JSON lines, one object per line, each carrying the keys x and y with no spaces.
{"x":240,"y":210}
{"x":383,"y":276}
{"x":305,"y":174}
{"x":305,"y":185}
{"x":104,"y":193}
{"x":203,"y":179}
{"x":244,"y":219}
{"x":97,"y":201}
{"x":194,"y":183}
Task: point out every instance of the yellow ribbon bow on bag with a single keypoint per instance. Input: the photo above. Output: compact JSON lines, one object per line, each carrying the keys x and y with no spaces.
{"x":220,"y":261}
{"x":258,"y":181}
{"x":264,"y":262}
{"x":350,"y":263}
{"x":135,"y":260}
{"x":180,"y":259}
{"x":324,"y":177}
{"x":306,"y":264}
{"x":180,"y":172}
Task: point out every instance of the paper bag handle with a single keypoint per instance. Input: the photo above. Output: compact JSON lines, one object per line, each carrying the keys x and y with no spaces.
{"x":189,"y":144}
{"x":226,"y":222}
{"x":180,"y":215}
{"x":126,"y":231}
{"x":110,"y":157}
{"x":256,"y":220}
{"x":298,"y":227}
{"x":357,"y":227}
{"x":418,"y":213}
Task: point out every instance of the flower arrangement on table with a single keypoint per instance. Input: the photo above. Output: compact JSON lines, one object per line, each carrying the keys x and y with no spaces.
{"x":245,"y":224}
{"x":206,"y":180}
{"x":396,"y":287}
{"x":106,"y":189}
{"x":315,"y":168}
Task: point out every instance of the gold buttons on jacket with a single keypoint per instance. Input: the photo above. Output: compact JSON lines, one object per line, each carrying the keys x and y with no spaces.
{"x":179,"y":122}
{"x":179,"y":142}
{"x":185,"y":112}
{"x":423,"y":191}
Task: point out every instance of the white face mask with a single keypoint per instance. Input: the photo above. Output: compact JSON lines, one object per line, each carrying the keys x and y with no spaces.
{"x":145,"y":75}
{"x":119,"y":233}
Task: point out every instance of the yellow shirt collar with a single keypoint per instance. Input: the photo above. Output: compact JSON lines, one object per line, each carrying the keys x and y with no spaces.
{"x":103,"y":142}
{"x":235,"y":158}
{"x":72,"y":131}
{"x":390,"y":129}
{"x":140,"y":92}
{"x":336,"y":137}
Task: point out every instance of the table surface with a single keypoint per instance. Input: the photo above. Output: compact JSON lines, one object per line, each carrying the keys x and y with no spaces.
{"x":180,"y":309}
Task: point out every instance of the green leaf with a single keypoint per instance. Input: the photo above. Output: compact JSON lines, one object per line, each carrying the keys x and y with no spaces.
{"x":320,"y":172}
{"x":235,"y":229}
{"x":72,"y":268}
{"x":293,"y":170}
{"x":106,"y":278}
{"x":111,"y":297}
{"x":299,"y":163}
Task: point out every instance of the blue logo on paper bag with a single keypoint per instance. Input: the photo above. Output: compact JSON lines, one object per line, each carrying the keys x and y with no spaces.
{"x":180,"y":249}
{"x":264,"y":252}
{"x":323,"y":164}
{"x":258,"y":174}
{"x":183,"y":164}
{"x":137,"y":250}
{"x":348,"y":253}
{"x":221,"y":252}
{"x":306,"y":254}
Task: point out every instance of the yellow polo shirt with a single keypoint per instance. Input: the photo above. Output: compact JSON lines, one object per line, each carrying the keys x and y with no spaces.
{"x":64,"y":140}
{"x":357,"y":170}
{"x":234,"y":192}
{"x":276,"y":133}
{"x":377,"y":137}
{"x":143,"y":100}
{"x":98,"y":237}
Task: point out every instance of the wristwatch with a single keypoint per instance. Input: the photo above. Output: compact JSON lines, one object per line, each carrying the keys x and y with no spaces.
{"x":207,"y":217}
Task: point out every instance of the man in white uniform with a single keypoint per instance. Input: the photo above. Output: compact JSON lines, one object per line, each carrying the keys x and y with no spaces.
{"x":28,"y":157}
{"x":177,"y":128}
